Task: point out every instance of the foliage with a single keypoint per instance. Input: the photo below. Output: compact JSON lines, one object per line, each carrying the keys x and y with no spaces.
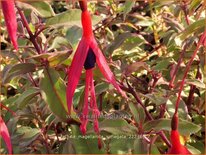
{"x":143,"y":42}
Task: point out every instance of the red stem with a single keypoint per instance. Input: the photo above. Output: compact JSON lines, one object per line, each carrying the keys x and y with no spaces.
{"x":3,"y":106}
{"x":171,"y":84}
{"x":32,"y":37}
{"x":149,"y":116}
{"x":187,"y":70}
{"x":83,"y":5}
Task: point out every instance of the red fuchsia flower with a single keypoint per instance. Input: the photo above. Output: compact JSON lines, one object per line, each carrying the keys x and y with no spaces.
{"x":10,"y":20}
{"x":87,"y":54}
{"x":5,"y":135}
{"x":177,"y":147}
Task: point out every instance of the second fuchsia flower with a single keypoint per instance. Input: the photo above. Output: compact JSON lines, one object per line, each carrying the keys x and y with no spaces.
{"x":8,"y":9}
{"x":87,"y":54}
{"x":5,"y":135}
{"x":177,"y":147}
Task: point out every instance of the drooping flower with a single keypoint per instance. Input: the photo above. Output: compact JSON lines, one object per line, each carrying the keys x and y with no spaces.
{"x":177,"y":147}
{"x":87,"y":54}
{"x":5,"y":135}
{"x":8,"y":9}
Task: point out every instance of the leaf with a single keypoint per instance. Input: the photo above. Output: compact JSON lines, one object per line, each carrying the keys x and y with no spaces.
{"x":128,"y":7}
{"x":140,"y":146}
{"x":54,"y":93}
{"x":59,"y":42}
{"x":82,"y":144}
{"x":134,"y":112}
{"x":117,"y":127}
{"x":147,"y":22}
{"x":156,"y":97}
{"x":26,"y":96}
{"x":135,"y":67}
{"x":58,"y":58}
{"x":68,"y":148}
{"x":121,"y":145}
{"x":42,"y":8}
{"x":195,"y":82}
{"x":117,"y":42}
{"x":192,"y":29}
{"x":193,"y":150}
{"x":182,"y":111}
{"x":102,"y":87}
{"x":185,"y":127}
{"x":194,"y":4}
{"x":162,"y":65}
{"x":73,"y":35}
{"x":69,"y":18}
{"x":17,"y":70}
{"x":28,"y":135}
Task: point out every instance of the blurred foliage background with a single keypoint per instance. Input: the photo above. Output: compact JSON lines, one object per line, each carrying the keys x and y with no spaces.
{"x":142,"y":41}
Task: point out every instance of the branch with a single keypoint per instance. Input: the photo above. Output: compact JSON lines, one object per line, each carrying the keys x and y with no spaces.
{"x":149,"y":116}
{"x":171,"y":84}
{"x":203,"y":36}
{"x":26,"y":25}
{"x":83,"y":5}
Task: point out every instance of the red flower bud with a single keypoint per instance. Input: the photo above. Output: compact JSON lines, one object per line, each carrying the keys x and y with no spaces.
{"x":177,"y":147}
{"x":10,"y":20}
{"x":5,"y":135}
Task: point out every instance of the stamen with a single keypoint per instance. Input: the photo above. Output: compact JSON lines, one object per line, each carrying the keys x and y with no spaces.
{"x":90,"y":60}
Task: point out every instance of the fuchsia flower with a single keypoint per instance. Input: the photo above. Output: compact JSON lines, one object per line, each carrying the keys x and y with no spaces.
{"x":177,"y":147}
{"x":5,"y":135}
{"x":87,"y":54}
{"x":10,"y":20}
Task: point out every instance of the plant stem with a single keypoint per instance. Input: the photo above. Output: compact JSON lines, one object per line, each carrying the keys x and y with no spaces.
{"x":83,"y":5}
{"x":5,"y":107}
{"x":192,"y":91}
{"x":171,"y":84}
{"x":203,"y":36}
{"x":149,"y":116}
{"x":26,"y":25}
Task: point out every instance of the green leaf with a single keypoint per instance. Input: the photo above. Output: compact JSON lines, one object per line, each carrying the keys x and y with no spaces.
{"x":120,"y":145}
{"x":140,"y":146}
{"x":156,"y":97}
{"x":128,"y":6}
{"x":117,"y":127}
{"x":82,"y":144}
{"x":194,"y":4}
{"x":134,"y":112}
{"x":73,"y":35}
{"x":28,"y":135}
{"x":42,"y":8}
{"x":129,"y":69}
{"x":59,"y":42}
{"x":117,"y":42}
{"x":26,"y":96}
{"x":68,"y":148}
{"x":185,"y":127}
{"x":162,"y":64}
{"x":195,"y":82}
{"x":69,"y":18}
{"x":154,"y":149}
{"x":147,"y":22}
{"x":58,"y":58}
{"x":17,"y":70}
{"x":102,"y":87}
{"x":192,"y":149}
{"x":54,"y":93}
{"x":192,"y":29}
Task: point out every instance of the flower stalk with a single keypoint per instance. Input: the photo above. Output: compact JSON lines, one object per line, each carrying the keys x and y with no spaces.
{"x":8,"y":8}
{"x":87,"y":55}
